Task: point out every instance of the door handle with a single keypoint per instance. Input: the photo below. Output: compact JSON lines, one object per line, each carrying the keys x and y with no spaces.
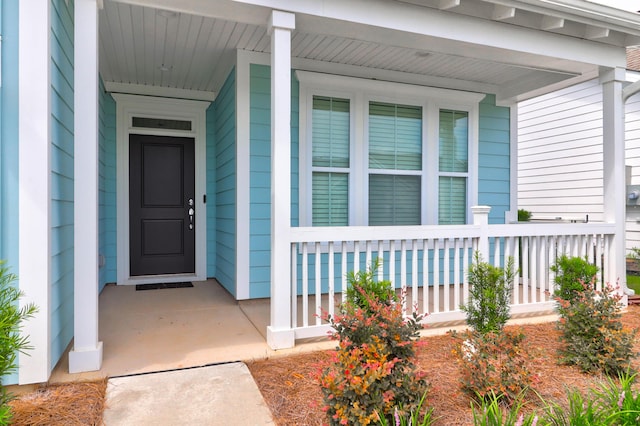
{"x":191,"y":213}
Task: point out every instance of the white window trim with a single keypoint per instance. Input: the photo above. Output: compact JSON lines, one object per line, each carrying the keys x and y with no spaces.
{"x":360,"y":92}
{"x":127,"y":107}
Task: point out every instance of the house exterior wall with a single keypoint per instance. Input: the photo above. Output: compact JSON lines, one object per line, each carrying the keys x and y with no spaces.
{"x":494,"y":158}
{"x":221,"y":185}
{"x":260,"y":185}
{"x":632,"y":148}
{"x":107,"y":187}
{"x":62,"y":191}
{"x":560,"y":153}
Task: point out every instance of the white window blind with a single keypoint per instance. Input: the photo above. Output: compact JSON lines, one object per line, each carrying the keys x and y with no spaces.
{"x":453,"y":166}
{"x":330,"y":161}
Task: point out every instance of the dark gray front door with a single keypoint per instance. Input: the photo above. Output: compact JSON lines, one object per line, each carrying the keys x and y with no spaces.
{"x":161,"y":197}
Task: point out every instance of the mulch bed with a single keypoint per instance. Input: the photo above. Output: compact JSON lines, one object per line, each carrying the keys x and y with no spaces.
{"x":69,"y":404}
{"x":294,"y":396}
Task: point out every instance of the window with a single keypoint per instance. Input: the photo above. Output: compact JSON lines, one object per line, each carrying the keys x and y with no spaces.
{"x":330,"y":161}
{"x":395,"y":164}
{"x":370,"y":159}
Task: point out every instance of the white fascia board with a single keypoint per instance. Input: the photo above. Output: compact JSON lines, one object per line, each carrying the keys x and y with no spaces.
{"x":157,"y":91}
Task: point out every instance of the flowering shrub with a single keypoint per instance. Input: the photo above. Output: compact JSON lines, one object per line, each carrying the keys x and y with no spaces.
{"x":372,"y":372}
{"x":591,"y":330}
{"x":494,"y":364}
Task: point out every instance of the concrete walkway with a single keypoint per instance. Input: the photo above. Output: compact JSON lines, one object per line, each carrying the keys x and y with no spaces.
{"x":223,"y":394}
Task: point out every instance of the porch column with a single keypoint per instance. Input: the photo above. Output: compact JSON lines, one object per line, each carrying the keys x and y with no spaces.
{"x":34,"y":195}
{"x":86,"y":354}
{"x":614,"y":172}
{"x":279,"y":333}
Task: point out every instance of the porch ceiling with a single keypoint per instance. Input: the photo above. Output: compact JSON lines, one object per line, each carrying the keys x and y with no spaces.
{"x":190,"y":45}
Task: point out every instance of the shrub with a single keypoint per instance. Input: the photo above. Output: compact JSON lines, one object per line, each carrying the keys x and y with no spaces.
{"x":11,"y":342}
{"x":524,"y":215}
{"x":492,"y":361}
{"x":364,"y":287}
{"x":494,"y":364}
{"x":372,"y":372}
{"x":489,"y":295}
{"x":571,"y":273}
{"x":592,"y":333}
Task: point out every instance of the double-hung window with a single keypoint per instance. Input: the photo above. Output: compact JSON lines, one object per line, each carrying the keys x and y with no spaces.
{"x":379,"y":153}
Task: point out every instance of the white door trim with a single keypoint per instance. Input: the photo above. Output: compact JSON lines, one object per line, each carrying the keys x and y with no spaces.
{"x":128,"y":106}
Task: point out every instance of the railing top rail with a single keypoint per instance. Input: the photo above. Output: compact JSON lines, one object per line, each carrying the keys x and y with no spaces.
{"x":382,"y":233}
{"x":557,"y":229}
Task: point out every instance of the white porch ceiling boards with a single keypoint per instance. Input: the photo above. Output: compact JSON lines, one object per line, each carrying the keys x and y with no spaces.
{"x":189,"y":45}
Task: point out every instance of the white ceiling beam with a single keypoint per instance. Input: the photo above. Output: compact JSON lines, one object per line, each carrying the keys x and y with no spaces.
{"x":551,"y":23}
{"x":166,"y":92}
{"x":596,"y":33}
{"x":448,"y":4}
{"x":501,"y":12}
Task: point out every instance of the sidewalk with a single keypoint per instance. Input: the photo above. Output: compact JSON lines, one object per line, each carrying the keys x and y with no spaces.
{"x":223,"y":394}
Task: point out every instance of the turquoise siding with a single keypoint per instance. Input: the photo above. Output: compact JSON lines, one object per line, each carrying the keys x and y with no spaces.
{"x":222,"y":146}
{"x":107,"y":187}
{"x":9,"y":144}
{"x":61,"y":177}
{"x":494,"y":159}
{"x":260,"y":184}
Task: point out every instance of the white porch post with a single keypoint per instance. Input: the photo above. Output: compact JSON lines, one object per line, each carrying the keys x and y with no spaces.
{"x":481,"y":218}
{"x":614,"y":172}
{"x":279,"y":333}
{"x":34,"y":194}
{"x":86,"y":354}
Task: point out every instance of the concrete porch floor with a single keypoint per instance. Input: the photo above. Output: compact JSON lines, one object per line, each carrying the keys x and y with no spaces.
{"x":166,"y":329}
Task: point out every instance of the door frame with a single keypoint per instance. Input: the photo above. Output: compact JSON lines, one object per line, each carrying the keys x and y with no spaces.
{"x":127,"y":107}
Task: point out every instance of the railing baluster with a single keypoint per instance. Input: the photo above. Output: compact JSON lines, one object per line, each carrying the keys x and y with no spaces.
{"x":331,"y":277}
{"x":318,"y":284}
{"x":534,"y":267}
{"x":305,"y":285}
{"x":414,"y":276}
{"x":465,"y":267}
{"x":425,"y":276}
{"x":381,"y":260}
{"x":392,"y":262}
{"x":403,"y":273}
{"x":294,"y":284}
{"x":446,"y":283}
{"x":456,"y":274}
{"x":343,"y":271}
{"x":543,"y":268}
{"x":525,"y":269}
{"x":368,"y":255}
{"x":436,"y":275}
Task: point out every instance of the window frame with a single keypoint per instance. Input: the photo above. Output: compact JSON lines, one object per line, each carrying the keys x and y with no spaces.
{"x":360,"y":93}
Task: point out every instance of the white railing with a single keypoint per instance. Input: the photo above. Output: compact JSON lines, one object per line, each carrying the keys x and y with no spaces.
{"x":429,"y":264}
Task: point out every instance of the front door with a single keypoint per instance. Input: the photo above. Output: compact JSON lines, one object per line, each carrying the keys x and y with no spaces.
{"x":161,"y":202}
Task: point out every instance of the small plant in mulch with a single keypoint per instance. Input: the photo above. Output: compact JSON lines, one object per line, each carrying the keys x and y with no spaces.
{"x":592,"y":333}
{"x":372,"y":374}
{"x":570,"y":275}
{"x":493,"y":361}
{"x":12,"y":318}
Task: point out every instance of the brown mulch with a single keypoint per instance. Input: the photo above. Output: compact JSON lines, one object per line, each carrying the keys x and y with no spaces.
{"x":68,"y":404}
{"x":294,"y":396}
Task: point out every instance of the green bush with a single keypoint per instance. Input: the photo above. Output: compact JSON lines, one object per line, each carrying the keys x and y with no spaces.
{"x":524,"y":215}
{"x":571,"y":273}
{"x":592,"y":332}
{"x":372,"y":372}
{"x":489,"y":295}
{"x":11,"y":342}
{"x":363,"y":287}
